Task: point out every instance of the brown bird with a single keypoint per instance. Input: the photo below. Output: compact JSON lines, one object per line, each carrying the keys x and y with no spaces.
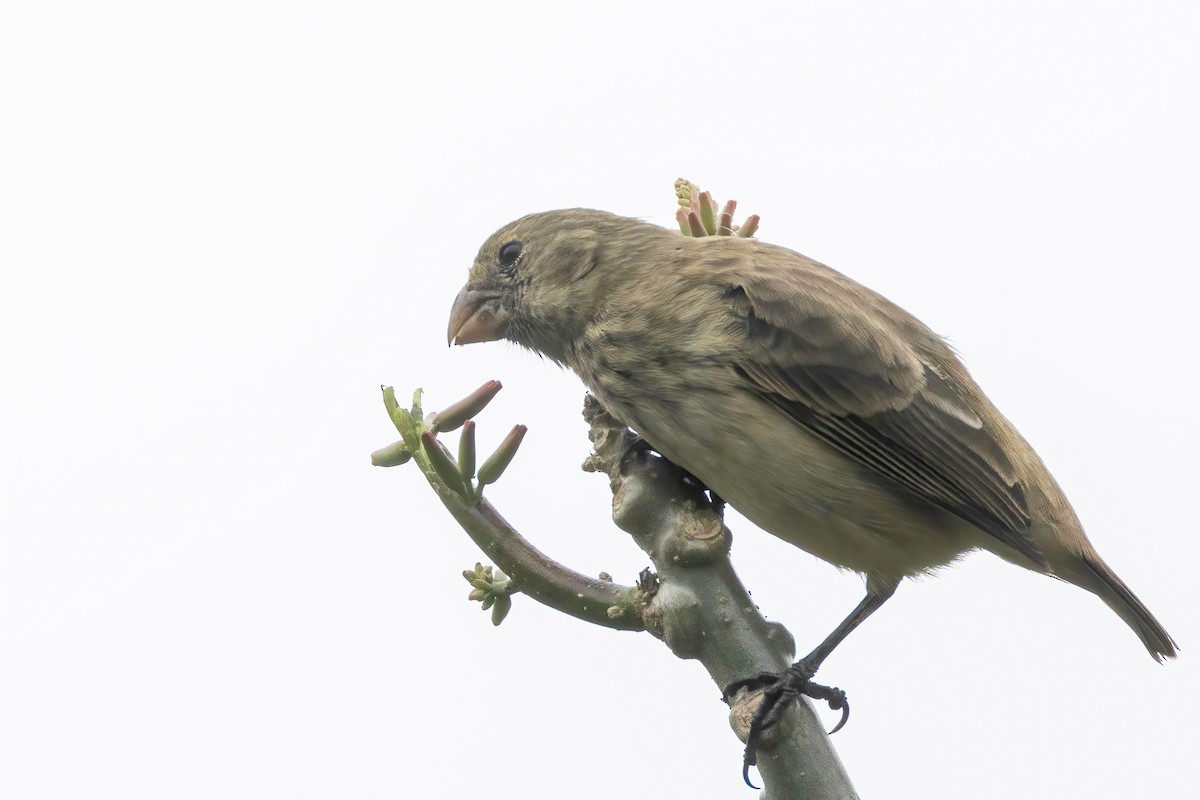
{"x":820,"y":410}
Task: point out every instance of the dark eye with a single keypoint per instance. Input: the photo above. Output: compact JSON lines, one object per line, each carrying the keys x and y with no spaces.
{"x":509,"y":253}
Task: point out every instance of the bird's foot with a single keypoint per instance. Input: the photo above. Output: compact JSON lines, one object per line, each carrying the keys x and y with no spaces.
{"x":778,"y":690}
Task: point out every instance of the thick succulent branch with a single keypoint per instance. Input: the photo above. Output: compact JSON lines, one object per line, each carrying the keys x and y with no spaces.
{"x":702,"y":611}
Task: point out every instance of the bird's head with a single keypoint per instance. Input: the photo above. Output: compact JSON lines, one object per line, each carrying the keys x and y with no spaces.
{"x":540,"y":280}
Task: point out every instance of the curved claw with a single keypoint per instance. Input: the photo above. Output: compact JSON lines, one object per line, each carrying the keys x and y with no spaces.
{"x":836,"y":699}
{"x":842,"y":722}
{"x":750,"y":755}
{"x":746,"y":774}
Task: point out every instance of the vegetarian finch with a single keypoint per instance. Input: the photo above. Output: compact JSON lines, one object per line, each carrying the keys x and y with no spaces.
{"x":821,"y":411}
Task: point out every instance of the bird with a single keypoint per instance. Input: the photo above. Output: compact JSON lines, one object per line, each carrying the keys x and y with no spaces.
{"x":824,"y":413}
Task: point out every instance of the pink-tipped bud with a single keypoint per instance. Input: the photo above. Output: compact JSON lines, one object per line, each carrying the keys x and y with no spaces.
{"x":681,"y":216}
{"x":749,"y":227}
{"x":454,"y":415}
{"x":725,"y":224}
{"x":708,"y":213}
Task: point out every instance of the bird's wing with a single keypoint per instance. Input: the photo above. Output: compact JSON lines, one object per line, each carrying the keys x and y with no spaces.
{"x":833,"y":356}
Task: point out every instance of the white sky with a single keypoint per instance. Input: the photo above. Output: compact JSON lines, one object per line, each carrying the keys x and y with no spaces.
{"x":223,"y":225}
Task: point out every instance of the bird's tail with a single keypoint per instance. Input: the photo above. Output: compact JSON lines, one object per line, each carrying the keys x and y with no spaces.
{"x":1113,"y":591}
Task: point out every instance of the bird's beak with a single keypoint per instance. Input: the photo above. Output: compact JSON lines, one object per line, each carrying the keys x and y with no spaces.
{"x":477,"y":316}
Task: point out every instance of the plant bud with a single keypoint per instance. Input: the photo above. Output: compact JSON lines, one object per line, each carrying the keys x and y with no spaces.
{"x":681,"y":216}
{"x":501,"y":608}
{"x":708,"y":213}
{"x":466,"y":451}
{"x":442,"y":464}
{"x":494,"y":467}
{"x":393,"y":455}
{"x":725,"y":224}
{"x":749,"y":227}
{"x":452,"y":417}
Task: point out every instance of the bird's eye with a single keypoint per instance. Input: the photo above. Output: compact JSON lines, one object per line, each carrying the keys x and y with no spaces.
{"x":509,"y":253}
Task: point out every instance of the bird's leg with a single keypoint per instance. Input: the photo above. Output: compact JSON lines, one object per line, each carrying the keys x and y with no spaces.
{"x":781,"y":688}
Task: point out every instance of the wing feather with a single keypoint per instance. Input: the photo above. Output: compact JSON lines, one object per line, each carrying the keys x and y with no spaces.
{"x":843,"y":362}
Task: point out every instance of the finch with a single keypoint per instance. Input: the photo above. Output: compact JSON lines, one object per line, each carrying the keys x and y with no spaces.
{"x":823,"y":412}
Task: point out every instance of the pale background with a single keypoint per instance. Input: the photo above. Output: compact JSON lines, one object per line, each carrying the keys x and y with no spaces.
{"x":224,"y":225}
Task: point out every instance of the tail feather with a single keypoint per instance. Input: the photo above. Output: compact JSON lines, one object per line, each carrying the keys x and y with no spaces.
{"x":1113,"y":591}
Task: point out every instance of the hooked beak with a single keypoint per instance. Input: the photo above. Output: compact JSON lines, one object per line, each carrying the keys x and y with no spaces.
{"x":477,"y":316}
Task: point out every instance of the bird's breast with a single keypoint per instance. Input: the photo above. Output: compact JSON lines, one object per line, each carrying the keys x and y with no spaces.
{"x":780,"y":476}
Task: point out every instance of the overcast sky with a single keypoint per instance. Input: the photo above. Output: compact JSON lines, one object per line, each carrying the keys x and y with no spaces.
{"x":224,"y":225}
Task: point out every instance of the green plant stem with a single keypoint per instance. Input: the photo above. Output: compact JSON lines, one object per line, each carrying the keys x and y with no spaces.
{"x":534,"y":574}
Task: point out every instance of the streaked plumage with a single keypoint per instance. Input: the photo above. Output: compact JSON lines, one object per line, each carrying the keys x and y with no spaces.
{"x":823,"y":412}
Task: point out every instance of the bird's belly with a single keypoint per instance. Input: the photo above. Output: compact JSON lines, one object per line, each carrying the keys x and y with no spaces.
{"x":785,"y":480}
